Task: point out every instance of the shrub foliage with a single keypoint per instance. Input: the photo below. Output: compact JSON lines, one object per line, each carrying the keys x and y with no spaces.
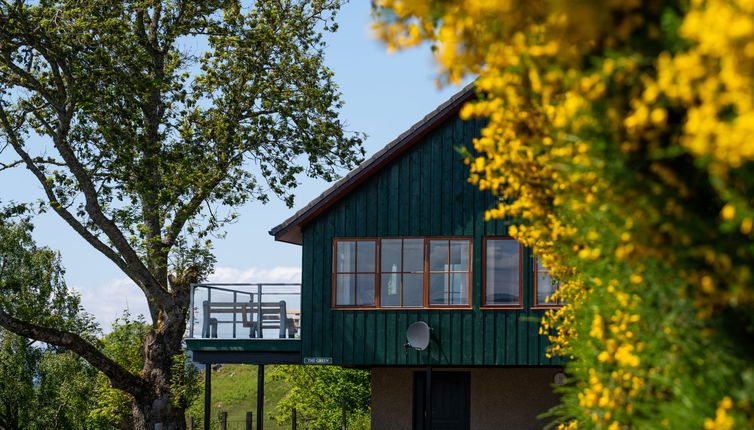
{"x":619,"y":142}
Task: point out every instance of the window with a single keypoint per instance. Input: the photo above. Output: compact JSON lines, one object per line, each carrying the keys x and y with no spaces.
{"x":544,"y":286}
{"x":448,"y":272}
{"x":402,"y":272}
{"x":355,"y":272}
{"x":502,"y":272}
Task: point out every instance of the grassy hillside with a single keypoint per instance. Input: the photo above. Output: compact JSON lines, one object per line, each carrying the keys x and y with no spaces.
{"x":234,"y":390}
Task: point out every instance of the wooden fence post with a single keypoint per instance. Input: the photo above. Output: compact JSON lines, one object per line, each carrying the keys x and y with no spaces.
{"x":223,"y":420}
{"x":343,"y":407}
{"x":249,"y":420}
{"x":191,"y":423}
{"x":293,"y":419}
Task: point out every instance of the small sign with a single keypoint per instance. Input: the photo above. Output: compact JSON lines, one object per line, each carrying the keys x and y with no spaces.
{"x":560,"y":378}
{"x":317,"y":360}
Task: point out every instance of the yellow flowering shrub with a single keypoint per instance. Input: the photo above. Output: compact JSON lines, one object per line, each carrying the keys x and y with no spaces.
{"x":621,"y":139}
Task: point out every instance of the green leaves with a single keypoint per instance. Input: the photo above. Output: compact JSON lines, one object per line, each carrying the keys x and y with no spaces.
{"x":173,"y":109}
{"x":122,"y":344}
{"x":316,"y":393}
{"x":42,"y":388}
{"x":157,"y":120}
{"x":31,"y":281}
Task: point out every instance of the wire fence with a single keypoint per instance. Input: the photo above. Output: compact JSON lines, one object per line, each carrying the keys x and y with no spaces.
{"x":222,"y":422}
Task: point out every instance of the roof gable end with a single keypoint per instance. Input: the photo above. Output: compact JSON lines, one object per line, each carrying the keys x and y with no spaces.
{"x":290,"y":229}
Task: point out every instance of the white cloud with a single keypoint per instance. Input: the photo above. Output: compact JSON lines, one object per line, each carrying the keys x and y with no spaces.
{"x":255,"y":275}
{"x":108,"y":301}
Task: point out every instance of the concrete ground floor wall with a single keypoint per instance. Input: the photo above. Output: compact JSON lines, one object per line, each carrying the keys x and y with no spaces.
{"x":500,"y":398}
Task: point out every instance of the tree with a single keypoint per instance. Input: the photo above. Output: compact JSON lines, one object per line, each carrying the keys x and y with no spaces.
{"x":146,"y":124}
{"x":619,"y":140}
{"x":123,"y":345}
{"x":17,"y":362}
{"x":316,"y":392}
{"x":43,"y":387}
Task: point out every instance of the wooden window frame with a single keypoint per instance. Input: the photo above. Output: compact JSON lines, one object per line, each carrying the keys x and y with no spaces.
{"x":535,"y":303}
{"x":378,"y":272}
{"x":335,"y":273}
{"x":520,"y":304}
{"x":428,"y":272}
{"x":401,"y":272}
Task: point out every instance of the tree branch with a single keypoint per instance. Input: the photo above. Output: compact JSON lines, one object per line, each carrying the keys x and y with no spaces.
{"x":55,"y":204}
{"x":47,"y":126}
{"x":249,"y":113}
{"x":189,"y":209}
{"x":30,"y":82}
{"x":135,"y":268}
{"x":4,"y":166}
{"x":52,"y":161}
{"x":118,"y":376}
{"x":154,"y":25}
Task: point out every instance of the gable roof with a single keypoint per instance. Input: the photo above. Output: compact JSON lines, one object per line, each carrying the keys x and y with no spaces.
{"x":290,"y":230}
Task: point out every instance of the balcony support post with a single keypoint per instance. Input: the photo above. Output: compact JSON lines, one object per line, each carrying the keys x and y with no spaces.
{"x":260,"y":397}
{"x":428,"y":393}
{"x":207,"y":394}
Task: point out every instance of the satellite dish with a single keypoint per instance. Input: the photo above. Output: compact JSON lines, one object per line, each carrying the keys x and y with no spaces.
{"x":418,"y":336}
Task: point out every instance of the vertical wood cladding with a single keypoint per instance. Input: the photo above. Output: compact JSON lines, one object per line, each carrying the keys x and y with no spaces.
{"x":424,"y":192}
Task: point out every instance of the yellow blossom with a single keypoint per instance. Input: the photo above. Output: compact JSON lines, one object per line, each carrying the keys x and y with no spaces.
{"x":728,"y":212}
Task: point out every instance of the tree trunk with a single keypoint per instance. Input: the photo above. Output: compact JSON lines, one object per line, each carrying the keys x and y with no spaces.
{"x":159,"y":348}
{"x":158,"y":414}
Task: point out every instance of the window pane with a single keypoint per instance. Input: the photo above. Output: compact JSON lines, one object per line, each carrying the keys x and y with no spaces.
{"x":459,"y":288}
{"x":391,"y":255}
{"x":390,"y":289}
{"x":545,"y":288}
{"x":438,"y":255}
{"x":413,"y":255}
{"x":346,"y":255}
{"x":413,"y":290}
{"x":438,"y":288}
{"x":366,"y":256}
{"x":344,"y":290}
{"x":502,"y":272}
{"x":459,"y":255}
{"x":365,"y":290}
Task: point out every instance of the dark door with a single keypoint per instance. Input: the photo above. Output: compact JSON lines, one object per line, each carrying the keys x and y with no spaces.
{"x":450,"y":400}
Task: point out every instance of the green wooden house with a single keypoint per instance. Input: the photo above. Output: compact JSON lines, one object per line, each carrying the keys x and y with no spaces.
{"x":402,"y":239}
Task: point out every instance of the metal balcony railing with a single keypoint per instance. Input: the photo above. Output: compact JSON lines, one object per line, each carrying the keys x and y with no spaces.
{"x":245,"y":311}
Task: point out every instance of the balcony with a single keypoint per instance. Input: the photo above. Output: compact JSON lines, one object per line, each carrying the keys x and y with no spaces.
{"x":245,"y":322}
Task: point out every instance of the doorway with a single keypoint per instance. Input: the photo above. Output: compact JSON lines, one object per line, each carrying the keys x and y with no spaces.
{"x":451,"y":399}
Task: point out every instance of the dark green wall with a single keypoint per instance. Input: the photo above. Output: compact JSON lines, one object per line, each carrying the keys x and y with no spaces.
{"x":424,"y":192}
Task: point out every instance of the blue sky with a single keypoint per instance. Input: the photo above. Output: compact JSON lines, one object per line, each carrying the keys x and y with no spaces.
{"x":384,"y":95}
